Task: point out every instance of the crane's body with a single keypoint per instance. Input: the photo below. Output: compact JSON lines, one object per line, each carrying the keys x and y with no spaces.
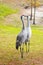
{"x":21,"y":38}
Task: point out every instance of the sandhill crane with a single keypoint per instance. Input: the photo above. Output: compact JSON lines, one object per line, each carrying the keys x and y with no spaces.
{"x":23,"y":36}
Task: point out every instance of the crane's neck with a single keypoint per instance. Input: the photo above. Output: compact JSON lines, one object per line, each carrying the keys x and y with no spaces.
{"x":28,"y":23}
{"x":23,"y":24}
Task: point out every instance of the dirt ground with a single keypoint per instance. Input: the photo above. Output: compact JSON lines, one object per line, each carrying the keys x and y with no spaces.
{"x":33,"y":59}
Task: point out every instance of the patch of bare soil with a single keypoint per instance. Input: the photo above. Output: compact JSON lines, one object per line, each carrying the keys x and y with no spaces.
{"x":31,"y":59}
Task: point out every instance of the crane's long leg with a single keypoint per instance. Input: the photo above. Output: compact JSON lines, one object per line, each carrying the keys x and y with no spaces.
{"x":28,"y":45}
{"x":22,"y":51}
{"x":20,"y":48}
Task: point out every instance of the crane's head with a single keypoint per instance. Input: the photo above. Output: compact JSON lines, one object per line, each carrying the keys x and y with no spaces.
{"x":22,"y":17}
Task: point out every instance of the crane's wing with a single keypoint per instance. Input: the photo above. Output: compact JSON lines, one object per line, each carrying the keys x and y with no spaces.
{"x":21,"y":38}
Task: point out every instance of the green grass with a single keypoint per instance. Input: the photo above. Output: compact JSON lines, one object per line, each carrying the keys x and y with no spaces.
{"x":6,"y":10}
{"x":9,"y":29}
{"x":37,"y":38}
{"x":8,"y":38}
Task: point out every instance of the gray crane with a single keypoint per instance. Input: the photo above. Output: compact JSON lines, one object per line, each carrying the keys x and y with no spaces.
{"x":23,"y":36}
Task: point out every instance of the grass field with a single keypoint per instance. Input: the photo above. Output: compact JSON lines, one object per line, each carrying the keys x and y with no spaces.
{"x":7,"y":43}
